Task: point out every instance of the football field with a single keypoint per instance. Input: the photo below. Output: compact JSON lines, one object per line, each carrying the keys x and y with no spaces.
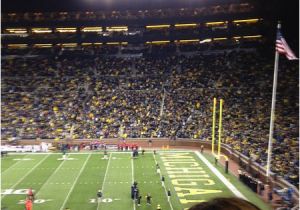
{"x":73,"y":183}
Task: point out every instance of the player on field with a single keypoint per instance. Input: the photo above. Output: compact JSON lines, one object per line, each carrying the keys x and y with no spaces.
{"x":157,"y":168}
{"x":158,"y":207}
{"x":163,"y":180}
{"x":169,"y":195}
{"x":132,"y":191}
{"x":30,"y":194}
{"x":28,"y":204}
{"x":148,"y":199}
{"x":99,"y":196}
{"x":105,"y":155}
{"x":139,"y":200}
{"x":64,"y":156}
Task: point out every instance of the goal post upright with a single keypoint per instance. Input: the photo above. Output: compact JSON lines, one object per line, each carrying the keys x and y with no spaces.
{"x":213,"y":126}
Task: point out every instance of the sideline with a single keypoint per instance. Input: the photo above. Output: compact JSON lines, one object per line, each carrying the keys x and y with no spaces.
{"x":164,"y":185}
{"x":221,"y":177}
{"x":132,"y":170}
{"x":93,"y":152}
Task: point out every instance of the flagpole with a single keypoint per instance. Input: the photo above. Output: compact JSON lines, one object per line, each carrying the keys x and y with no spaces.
{"x":272,"y":111}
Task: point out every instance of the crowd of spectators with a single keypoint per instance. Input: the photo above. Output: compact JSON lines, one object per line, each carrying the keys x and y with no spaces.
{"x":127,"y":14}
{"x":65,"y":95}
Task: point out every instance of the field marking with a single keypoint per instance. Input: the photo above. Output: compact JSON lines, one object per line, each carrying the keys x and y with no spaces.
{"x":104,"y":179}
{"x":132,"y":171}
{"x":69,"y":193}
{"x":97,"y":152}
{"x":47,"y":180}
{"x":20,"y":180}
{"x":170,"y":203}
{"x":221,"y":177}
{"x":12,"y":166}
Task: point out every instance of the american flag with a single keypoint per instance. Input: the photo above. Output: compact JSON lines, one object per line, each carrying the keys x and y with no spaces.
{"x":283,"y":48}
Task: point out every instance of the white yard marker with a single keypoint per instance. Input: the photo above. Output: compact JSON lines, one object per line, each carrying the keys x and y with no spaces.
{"x":69,"y":193}
{"x":104,"y":179}
{"x":132,"y":171}
{"x":20,"y":180}
{"x":169,"y":201}
{"x":221,"y":177}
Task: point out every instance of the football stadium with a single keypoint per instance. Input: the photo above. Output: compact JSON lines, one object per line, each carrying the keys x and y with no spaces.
{"x":149,"y":105}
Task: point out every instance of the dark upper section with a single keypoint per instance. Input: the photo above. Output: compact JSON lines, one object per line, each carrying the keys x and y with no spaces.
{"x":94,"y":5}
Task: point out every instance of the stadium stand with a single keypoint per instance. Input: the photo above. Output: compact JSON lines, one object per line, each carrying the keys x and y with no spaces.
{"x":96,"y":97}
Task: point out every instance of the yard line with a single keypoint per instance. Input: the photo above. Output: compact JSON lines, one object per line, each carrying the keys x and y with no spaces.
{"x":164,"y":186}
{"x":81,"y":170}
{"x":132,"y":170}
{"x":104,"y":179}
{"x":50,"y":176}
{"x":20,"y":180}
{"x":10,"y":167}
{"x":221,"y":177}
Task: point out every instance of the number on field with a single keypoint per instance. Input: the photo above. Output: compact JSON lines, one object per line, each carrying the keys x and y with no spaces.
{"x":35,"y":201}
{"x":105,"y":200}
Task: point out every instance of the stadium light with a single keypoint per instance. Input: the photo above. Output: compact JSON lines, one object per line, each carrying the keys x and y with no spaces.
{"x":205,"y":41}
{"x":186,"y":25}
{"x":247,"y":21}
{"x":92,"y":29}
{"x":98,"y":43}
{"x":216,"y":23}
{"x":188,"y":40}
{"x":18,"y":46}
{"x":251,"y":37}
{"x":86,"y":44}
{"x":220,"y":39}
{"x":66,"y":30}
{"x":157,"y":26}
{"x":117,"y":28}
{"x":16,"y":30}
{"x":41,"y":30}
{"x":112,"y":43}
{"x":42,"y":45}
{"x":69,"y":44}
{"x":158,"y":42}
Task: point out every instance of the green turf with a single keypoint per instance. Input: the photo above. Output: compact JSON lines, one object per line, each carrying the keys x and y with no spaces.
{"x":74,"y":183}
{"x":253,"y":197}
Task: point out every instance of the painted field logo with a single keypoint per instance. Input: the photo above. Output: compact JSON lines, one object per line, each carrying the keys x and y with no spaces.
{"x":37,"y":201}
{"x":190,"y":180}
{"x":14,"y":192}
{"x":105,"y":200}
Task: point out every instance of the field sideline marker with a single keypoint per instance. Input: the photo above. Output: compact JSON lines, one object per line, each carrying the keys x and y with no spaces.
{"x":20,"y":180}
{"x":164,"y":186}
{"x":69,"y":193}
{"x":221,"y":177}
{"x":87,"y":153}
{"x":132,"y":170}
{"x":104,"y":179}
